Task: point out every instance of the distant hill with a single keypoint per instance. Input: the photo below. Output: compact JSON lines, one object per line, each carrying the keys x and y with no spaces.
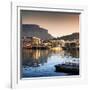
{"x":70,"y":37}
{"x":31,"y":30}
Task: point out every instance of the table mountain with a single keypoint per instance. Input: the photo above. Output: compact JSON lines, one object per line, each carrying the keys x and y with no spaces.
{"x":33,"y":30}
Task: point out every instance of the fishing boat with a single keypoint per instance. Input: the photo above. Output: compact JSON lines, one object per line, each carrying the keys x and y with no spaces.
{"x":71,"y":68}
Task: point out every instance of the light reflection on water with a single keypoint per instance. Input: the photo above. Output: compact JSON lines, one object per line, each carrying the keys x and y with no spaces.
{"x":41,"y":63}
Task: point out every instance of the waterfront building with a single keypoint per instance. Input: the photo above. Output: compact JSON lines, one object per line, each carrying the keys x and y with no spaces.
{"x":28,"y":42}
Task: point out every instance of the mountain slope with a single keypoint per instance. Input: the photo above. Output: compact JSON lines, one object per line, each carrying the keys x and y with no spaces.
{"x":70,"y":37}
{"x":33,"y":30}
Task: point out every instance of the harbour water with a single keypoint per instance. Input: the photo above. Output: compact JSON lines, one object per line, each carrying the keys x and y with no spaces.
{"x":41,"y":63}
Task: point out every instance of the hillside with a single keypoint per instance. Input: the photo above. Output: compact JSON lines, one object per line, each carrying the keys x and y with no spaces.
{"x":33,"y":30}
{"x":70,"y":37}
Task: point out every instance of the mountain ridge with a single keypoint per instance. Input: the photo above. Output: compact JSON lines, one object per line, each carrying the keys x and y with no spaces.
{"x":70,"y":37}
{"x":31,"y":30}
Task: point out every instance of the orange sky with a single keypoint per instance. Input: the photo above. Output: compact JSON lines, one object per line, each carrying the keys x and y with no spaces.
{"x":57,"y":24}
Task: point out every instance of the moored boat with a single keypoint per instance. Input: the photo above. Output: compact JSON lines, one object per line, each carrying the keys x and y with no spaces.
{"x":70,"y":68}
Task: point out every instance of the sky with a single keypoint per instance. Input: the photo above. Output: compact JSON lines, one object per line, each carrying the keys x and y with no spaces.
{"x":57,"y":23}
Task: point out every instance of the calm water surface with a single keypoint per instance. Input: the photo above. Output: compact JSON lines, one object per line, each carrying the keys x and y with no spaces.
{"x":41,"y":63}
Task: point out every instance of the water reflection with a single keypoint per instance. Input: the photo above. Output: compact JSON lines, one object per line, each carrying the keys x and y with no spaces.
{"x":37,"y":63}
{"x":33,"y":58}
